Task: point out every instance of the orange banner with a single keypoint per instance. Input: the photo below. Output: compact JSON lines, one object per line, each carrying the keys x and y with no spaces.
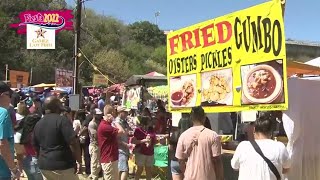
{"x":19,"y":79}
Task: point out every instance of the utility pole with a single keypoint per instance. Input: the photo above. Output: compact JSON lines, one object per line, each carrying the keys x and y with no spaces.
{"x":76,"y":48}
{"x":7,"y":70}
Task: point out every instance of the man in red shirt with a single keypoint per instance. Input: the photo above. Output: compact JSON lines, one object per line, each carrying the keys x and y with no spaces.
{"x":108,"y":144}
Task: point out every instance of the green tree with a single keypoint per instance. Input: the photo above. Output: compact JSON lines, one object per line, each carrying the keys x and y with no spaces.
{"x":147,"y":33}
{"x":113,"y":64}
{"x":154,"y":66}
{"x":160,"y":55}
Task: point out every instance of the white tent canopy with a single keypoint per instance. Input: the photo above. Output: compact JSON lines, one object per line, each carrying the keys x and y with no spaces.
{"x":314,"y":62}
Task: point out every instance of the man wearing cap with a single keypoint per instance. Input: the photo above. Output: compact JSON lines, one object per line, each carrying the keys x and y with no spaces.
{"x":56,"y":143}
{"x":8,"y":169}
{"x":93,"y":146}
{"x":123,"y":141}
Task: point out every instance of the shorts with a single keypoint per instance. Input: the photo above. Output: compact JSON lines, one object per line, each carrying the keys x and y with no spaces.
{"x":175,"y":167}
{"x":123,"y":165}
{"x":144,"y":160}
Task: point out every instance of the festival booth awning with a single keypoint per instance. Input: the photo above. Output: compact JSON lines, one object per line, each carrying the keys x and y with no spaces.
{"x":297,"y":68}
{"x":43,"y":85}
{"x":116,"y":88}
{"x":141,"y":79}
{"x":154,"y":73}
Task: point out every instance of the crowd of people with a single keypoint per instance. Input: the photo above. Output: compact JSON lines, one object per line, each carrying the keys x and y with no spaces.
{"x":50,"y":141}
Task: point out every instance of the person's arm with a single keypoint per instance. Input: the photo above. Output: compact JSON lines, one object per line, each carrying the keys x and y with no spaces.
{"x":216,"y":157}
{"x":70,"y":137}
{"x":123,"y":144}
{"x":235,"y":161}
{"x":6,"y":153}
{"x":74,"y":145}
{"x":181,"y":155}
{"x":286,"y":160}
{"x":120,"y":129}
{"x":136,"y":141}
{"x":4,"y":143}
{"x":182,"y":165}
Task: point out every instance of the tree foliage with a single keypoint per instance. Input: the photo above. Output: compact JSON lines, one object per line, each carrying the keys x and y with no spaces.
{"x":117,"y":49}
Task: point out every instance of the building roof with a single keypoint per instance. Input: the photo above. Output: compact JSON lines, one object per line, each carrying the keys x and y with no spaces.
{"x":303,"y":43}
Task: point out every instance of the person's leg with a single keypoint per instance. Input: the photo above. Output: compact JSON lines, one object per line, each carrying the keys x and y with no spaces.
{"x":68,"y":174}
{"x":20,"y":163}
{"x":94,"y":163}
{"x":50,"y":175}
{"x":140,"y":162}
{"x":30,"y":167}
{"x":175,"y":170}
{"x":138,"y":173}
{"x":20,"y":151}
{"x":115,"y":170}
{"x":108,"y":171}
{"x":26,"y":163}
{"x":82,"y":156}
{"x":149,"y":164}
{"x":123,"y":166}
{"x":148,"y":172}
{"x":176,"y":177}
{"x":86,"y":156}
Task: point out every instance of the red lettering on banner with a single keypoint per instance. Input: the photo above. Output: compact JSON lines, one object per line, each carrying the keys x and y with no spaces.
{"x":173,"y":44}
{"x":186,"y":38}
{"x":203,"y":37}
{"x":207,"y":35}
{"x":221,"y":31}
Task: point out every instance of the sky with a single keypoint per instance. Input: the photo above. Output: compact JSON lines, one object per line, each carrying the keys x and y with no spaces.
{"x":301,"y":17}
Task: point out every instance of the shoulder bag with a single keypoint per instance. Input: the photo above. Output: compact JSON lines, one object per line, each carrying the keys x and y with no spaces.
{"x":270,"y":164}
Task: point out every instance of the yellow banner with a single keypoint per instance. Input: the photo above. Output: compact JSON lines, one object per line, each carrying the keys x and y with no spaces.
{"x":99,"y":79}
{"x":231,"y":63}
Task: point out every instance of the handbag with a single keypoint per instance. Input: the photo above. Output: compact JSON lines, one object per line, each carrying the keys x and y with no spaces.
{"x":270,"y":164}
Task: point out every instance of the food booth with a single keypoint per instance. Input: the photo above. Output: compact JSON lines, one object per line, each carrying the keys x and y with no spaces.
{"x":224,"y":72}
{"x":141,"y":88}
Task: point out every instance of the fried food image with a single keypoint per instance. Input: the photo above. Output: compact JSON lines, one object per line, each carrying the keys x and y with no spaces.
{"x":262,"y":84}
{"x":218,"y":90}
{"x":188,"y":92}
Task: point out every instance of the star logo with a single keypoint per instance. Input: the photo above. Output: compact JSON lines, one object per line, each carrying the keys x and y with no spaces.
{"x":40,"y":33}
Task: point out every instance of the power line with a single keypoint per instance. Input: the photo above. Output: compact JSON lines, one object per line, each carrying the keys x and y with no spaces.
{"x":95,"y":67}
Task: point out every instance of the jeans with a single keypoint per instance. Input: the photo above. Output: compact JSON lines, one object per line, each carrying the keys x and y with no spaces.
{"x":31,"y":168}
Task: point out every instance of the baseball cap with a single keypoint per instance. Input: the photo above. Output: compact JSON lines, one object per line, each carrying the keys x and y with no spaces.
{"x":121,"y":109}
{"x":4,"y":87}
{"x":97,"y":111}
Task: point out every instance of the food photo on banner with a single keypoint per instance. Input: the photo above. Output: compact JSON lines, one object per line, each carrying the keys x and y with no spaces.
{"x":217,"y":88}
{"x":183,"y":91}
{"x":262,"y":83}
{"x":231,"y":63}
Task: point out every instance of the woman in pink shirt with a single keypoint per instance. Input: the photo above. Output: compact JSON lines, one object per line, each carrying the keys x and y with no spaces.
{"x":145,"y":138}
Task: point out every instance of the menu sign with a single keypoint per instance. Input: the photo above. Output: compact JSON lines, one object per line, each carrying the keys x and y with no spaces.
{"x":231,"y":63}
